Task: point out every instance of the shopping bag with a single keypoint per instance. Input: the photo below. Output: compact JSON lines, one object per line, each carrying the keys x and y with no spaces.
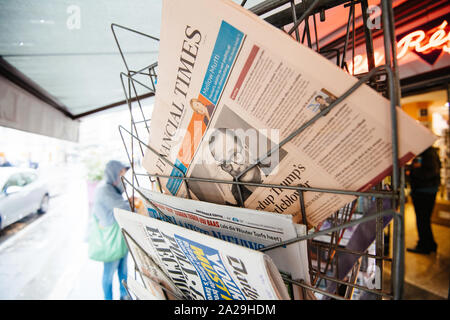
{"x":106,"y":244}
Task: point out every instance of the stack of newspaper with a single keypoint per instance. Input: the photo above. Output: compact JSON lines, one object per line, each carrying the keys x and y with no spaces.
{"x":177,"y":263}
{"x":232,"y":89}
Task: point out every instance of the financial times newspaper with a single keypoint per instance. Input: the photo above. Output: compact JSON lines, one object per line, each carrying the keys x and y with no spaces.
{"x":244,"y":227}
{"x":231,"y":87}
{"x":203,"y":267}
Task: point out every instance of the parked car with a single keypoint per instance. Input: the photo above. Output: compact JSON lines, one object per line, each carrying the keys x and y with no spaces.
{"x":22,"y":192}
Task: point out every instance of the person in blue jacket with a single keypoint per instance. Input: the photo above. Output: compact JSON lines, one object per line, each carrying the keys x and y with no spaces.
{"x":108,"y":196}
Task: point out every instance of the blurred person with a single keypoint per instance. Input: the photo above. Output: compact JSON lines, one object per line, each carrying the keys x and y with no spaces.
{"x":425,"y":179}
{"x":3,"y":161}
{"x":108,"y":195}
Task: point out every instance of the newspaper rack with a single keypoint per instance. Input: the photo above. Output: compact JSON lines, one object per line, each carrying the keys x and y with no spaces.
{"x":383,"y":78}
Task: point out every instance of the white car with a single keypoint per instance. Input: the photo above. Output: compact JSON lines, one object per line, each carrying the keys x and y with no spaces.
{"x":22,"y":192}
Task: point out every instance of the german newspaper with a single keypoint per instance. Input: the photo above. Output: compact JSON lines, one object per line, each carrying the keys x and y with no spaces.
{"x":249,"y":228}
{"x":203,"y":267}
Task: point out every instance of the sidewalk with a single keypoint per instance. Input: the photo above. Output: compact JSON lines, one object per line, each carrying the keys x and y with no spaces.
{"x":426,"y":276}
{"x":87,"y":284}
{"x":428,"y":272}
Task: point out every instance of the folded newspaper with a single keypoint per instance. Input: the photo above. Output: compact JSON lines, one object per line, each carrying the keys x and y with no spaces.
{"x":231,"y":87}
{"x":156,"y":283}
{"x":249,"y":228}
{"x":203,"y":267}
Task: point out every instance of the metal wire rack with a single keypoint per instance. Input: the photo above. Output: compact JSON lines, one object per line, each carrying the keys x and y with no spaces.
{"x":323,"y":257}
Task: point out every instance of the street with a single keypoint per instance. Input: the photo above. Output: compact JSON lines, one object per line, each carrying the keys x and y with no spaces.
{"x":45,"y":257}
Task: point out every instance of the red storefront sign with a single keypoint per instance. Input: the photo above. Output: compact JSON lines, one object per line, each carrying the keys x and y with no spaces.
{"x":428,"y":42}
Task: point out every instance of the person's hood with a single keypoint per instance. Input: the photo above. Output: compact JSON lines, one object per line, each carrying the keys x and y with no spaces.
{"x":112,"y":171}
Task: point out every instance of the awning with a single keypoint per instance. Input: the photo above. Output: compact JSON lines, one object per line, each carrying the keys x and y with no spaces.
{"x":21,"y":110}
{"x":64,"y":54}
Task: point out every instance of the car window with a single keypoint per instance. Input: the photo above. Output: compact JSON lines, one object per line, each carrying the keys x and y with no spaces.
{"x":29,"y":177}
{"x":15,"y":180}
